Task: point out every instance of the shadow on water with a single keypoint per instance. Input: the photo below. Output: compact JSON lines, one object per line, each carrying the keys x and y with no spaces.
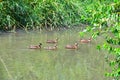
{"x":85,"y":63}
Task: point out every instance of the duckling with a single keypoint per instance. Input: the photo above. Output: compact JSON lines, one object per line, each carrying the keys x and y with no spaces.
{"x":86,"y":40}
{"x":75,"y":46}
{"x":52,"y":41}
{"x":51,"y":47}
{"x":35,"y":46}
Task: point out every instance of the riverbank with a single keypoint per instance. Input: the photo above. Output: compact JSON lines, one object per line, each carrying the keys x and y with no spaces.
{"x":48,"y":14}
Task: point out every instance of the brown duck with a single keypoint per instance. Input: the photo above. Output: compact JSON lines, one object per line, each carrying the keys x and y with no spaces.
{"x":51,"y":47}
{"x":52,"y":41}
{"x":75,"y":46}
{"x":35,"y":46}
{"x":86,"y":40}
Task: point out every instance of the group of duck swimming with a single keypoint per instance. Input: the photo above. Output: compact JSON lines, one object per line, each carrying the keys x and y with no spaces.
{"x":68,"y":46}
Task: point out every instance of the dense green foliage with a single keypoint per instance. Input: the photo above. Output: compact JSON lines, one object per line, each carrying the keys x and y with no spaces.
{"x":104,"y":18}
{"x":38,"y":14}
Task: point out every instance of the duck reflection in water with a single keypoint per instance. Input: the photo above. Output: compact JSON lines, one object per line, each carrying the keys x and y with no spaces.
{"x":51,"y":47}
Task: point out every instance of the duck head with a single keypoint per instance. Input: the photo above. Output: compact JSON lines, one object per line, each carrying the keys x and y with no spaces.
{"x":56,"y":39}
{"x":40,"y":44}
{"x":55,"y":45}
{"x":76,"y":44}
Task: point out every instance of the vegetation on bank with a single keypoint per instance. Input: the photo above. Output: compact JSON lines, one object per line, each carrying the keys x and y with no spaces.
{"x":29,"y":14}
{"x":103,"y":16}
{"x":104,"y":19}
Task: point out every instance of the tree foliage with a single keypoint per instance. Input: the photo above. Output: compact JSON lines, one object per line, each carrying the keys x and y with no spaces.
{"x":104,"y":19}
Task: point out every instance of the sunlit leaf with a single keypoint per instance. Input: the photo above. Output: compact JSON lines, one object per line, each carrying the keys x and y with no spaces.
{"x":81,"y":34}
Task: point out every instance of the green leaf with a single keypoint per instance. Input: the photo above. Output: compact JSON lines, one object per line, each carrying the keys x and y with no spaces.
{"x":98,"y":47}
{"x":112,"y":63}
{"x":81,"y":34}
{"x":105,"y":46}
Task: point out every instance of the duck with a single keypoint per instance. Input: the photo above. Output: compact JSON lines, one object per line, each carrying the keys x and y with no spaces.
{"x":51,"y":47}
{"x":52,"y":41}
{"x":75,"y":46}
{"x":35,"y":46}
{"x":86,"y":40}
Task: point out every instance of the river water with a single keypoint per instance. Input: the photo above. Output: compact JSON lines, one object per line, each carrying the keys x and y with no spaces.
{"x":18,"y":62}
